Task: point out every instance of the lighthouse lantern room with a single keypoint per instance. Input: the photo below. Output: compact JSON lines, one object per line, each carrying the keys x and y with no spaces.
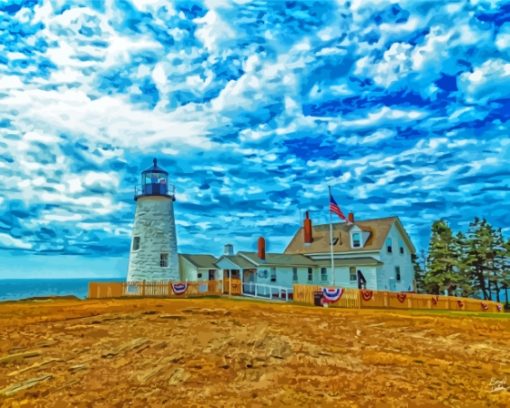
{"x":153,"y":253}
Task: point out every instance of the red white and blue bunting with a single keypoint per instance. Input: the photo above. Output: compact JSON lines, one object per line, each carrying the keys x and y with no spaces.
{"x":332,"y":295}
{"x":367,"y":294}
{"x":179,"y":288}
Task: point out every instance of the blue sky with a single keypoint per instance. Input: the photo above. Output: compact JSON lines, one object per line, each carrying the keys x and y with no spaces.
{"x":254,"y":108}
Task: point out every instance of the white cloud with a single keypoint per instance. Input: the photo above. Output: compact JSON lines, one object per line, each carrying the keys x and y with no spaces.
{"x":489,"y":81}
{"x":213,"y":31}
{"x":7,"y":241}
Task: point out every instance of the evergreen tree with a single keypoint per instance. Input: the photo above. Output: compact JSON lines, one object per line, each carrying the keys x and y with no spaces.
{"x":499,"y":260}
{"x":460,"y":257}
{"x":441,"y":262}
{"x":505,"y":281}
{"x":480,"y":256}
{"x":419,"y":271}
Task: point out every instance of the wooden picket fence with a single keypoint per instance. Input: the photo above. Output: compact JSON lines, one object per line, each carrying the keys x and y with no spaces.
{"x":232,"y":286}
{"x":304,"y":294}
{"x":100,"y":290}
{"x":355,"y":298}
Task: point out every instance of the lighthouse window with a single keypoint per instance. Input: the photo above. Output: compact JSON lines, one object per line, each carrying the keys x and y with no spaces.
{"x":136,"y":243}
{"x":163,"y":260}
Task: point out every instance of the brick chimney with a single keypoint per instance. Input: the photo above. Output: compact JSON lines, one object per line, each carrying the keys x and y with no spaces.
{"x":262,"y":248}
{"x":307,"y":228}
{"x":350,"y":218}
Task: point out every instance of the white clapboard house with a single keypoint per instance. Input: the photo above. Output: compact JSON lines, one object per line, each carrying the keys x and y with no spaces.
{"x":374,"y":253}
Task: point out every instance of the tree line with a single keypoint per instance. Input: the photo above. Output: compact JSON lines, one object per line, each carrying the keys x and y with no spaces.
{"x":473,"y":264}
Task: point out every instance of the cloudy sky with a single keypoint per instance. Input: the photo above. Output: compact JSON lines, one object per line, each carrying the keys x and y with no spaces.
{"x":254,"y":108}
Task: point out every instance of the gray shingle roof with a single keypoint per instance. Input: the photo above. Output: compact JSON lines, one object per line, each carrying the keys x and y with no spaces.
{"x":278,"y":259}
{"x":201,"y":260}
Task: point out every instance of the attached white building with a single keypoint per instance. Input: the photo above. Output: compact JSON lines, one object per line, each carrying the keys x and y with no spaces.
{"x":198,"y":267}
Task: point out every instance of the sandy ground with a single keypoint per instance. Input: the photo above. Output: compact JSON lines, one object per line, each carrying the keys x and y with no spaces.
{"x":226,"y":353}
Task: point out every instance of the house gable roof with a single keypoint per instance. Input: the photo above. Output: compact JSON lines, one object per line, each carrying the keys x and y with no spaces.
{"x":200,"y":260}
{"x":378,"y":229}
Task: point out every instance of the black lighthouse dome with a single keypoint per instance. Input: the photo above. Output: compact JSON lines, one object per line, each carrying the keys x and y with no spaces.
{"x":154,"y":182}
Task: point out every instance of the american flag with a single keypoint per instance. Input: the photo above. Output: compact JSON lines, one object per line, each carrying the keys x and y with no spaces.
{"x":334,"y":208}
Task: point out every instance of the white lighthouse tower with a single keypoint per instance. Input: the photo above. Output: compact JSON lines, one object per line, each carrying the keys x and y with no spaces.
{"x":153,"y":255}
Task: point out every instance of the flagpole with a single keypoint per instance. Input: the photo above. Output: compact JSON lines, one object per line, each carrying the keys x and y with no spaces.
{"x":331,"y":242}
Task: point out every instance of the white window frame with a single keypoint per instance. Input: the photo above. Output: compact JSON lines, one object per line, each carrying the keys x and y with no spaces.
{"x":324,"y":274}
{"x":273,"y":275}
{"x":389,"y":245}
{"x":310,"y":275}
{"x":359,"y":240}
{"x":351,"y":268}
{"x":294,"y":274}
{"x":398,"y":274}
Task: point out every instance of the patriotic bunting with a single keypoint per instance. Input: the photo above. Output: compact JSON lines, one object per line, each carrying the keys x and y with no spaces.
{"x":460,"y":304}
{"x":484,"y":306}
{"x":367,"y":295}
{"x":435,"y":299}
{"x":331,"y":295}
{"x":499,"y":307}
{"x":179,"y":288}
{"x":401,"y":297}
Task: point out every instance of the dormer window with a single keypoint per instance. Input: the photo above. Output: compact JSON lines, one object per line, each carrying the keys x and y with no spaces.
{"x":356,"y":239}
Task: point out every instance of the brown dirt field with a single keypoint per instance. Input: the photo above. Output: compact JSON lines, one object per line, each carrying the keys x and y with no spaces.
{"x":231,"y":353}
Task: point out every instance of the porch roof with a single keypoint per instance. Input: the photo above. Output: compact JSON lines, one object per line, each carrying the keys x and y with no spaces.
{"x":237,"y":260}
{"x":361,"y":261}
{"x":278,"y":259}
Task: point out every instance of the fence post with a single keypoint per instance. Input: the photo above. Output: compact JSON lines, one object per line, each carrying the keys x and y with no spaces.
{"x":143,"y":287}
{"x":386,"y":302}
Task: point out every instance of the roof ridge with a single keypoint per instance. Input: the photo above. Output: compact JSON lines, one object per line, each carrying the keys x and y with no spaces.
{"x":355,"y":221}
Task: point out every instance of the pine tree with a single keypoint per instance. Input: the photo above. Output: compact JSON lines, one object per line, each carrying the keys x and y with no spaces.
{"x":441,"y":261}
{"x":505,"y":281}
{"x":480,"y":256}
{"x":460,"y":256}
{"x":419,"y":271}
{"x":498,"y":255}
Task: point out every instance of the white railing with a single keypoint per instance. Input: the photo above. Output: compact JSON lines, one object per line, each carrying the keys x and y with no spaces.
{"x":261,"y":290}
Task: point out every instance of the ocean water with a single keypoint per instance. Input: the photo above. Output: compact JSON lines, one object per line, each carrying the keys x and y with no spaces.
{"x":13,"y":289}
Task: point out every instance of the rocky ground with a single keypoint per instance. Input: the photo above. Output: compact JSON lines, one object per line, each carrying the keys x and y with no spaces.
{"x":231,"y":353}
